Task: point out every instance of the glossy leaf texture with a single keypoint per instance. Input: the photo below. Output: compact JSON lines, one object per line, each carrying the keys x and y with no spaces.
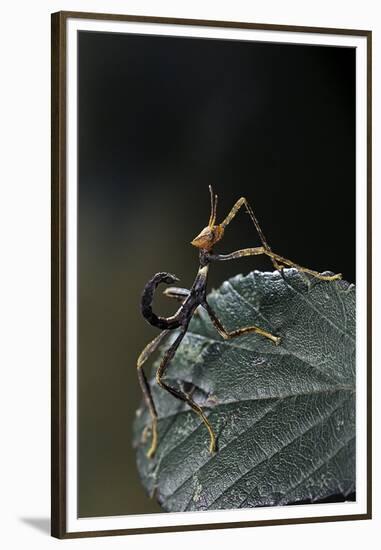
{"x":284,"y":415}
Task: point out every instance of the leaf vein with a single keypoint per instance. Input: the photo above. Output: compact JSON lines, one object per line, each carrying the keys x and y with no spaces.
{"x":310,"y":304}
{"x":314,"y":425}
{"x":319,"y":465}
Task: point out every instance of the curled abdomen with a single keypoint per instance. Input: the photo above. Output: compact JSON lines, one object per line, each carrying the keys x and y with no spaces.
{"x":147,"y":299}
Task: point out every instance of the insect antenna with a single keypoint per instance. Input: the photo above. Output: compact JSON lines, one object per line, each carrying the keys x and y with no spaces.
{"x":213,"y":207}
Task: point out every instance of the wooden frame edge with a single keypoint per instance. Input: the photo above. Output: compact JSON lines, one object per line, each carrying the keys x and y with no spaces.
{"x":213,"y":526}
{"x":58,"y":271}
{"x":210,"y":23}
{"x":369,"y":277}
{"x":58,"y":274}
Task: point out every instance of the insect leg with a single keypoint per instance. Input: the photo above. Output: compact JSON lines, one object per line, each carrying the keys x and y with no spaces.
{"x":168,"y":356}
{"x":233,"y":212}
{"x":227,"y":335}
{"x":316,"y":274}
{"x":179,"y":294}
{"x":257,"y":251}
{"x":146,"y":390}
{"x":261,"y":250}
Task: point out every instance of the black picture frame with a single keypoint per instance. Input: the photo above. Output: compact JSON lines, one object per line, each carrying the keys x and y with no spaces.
{"x":59,"y":259}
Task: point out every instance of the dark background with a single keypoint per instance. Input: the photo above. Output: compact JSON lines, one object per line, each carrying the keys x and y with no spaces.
{"x":160,"y":119}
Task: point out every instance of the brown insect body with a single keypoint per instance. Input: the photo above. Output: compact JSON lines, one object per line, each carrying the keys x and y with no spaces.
{"x":208,"y":237}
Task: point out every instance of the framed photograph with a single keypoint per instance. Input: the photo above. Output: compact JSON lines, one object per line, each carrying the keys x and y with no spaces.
{"x":236,"y":157}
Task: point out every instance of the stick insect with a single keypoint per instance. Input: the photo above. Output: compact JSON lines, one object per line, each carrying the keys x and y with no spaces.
{"x":192,"y":299}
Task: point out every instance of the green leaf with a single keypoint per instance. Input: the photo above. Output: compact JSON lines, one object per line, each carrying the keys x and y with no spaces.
{"x":284,"y":415}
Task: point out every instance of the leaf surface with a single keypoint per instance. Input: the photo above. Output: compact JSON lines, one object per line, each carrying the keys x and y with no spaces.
{"x":284,"y":415}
